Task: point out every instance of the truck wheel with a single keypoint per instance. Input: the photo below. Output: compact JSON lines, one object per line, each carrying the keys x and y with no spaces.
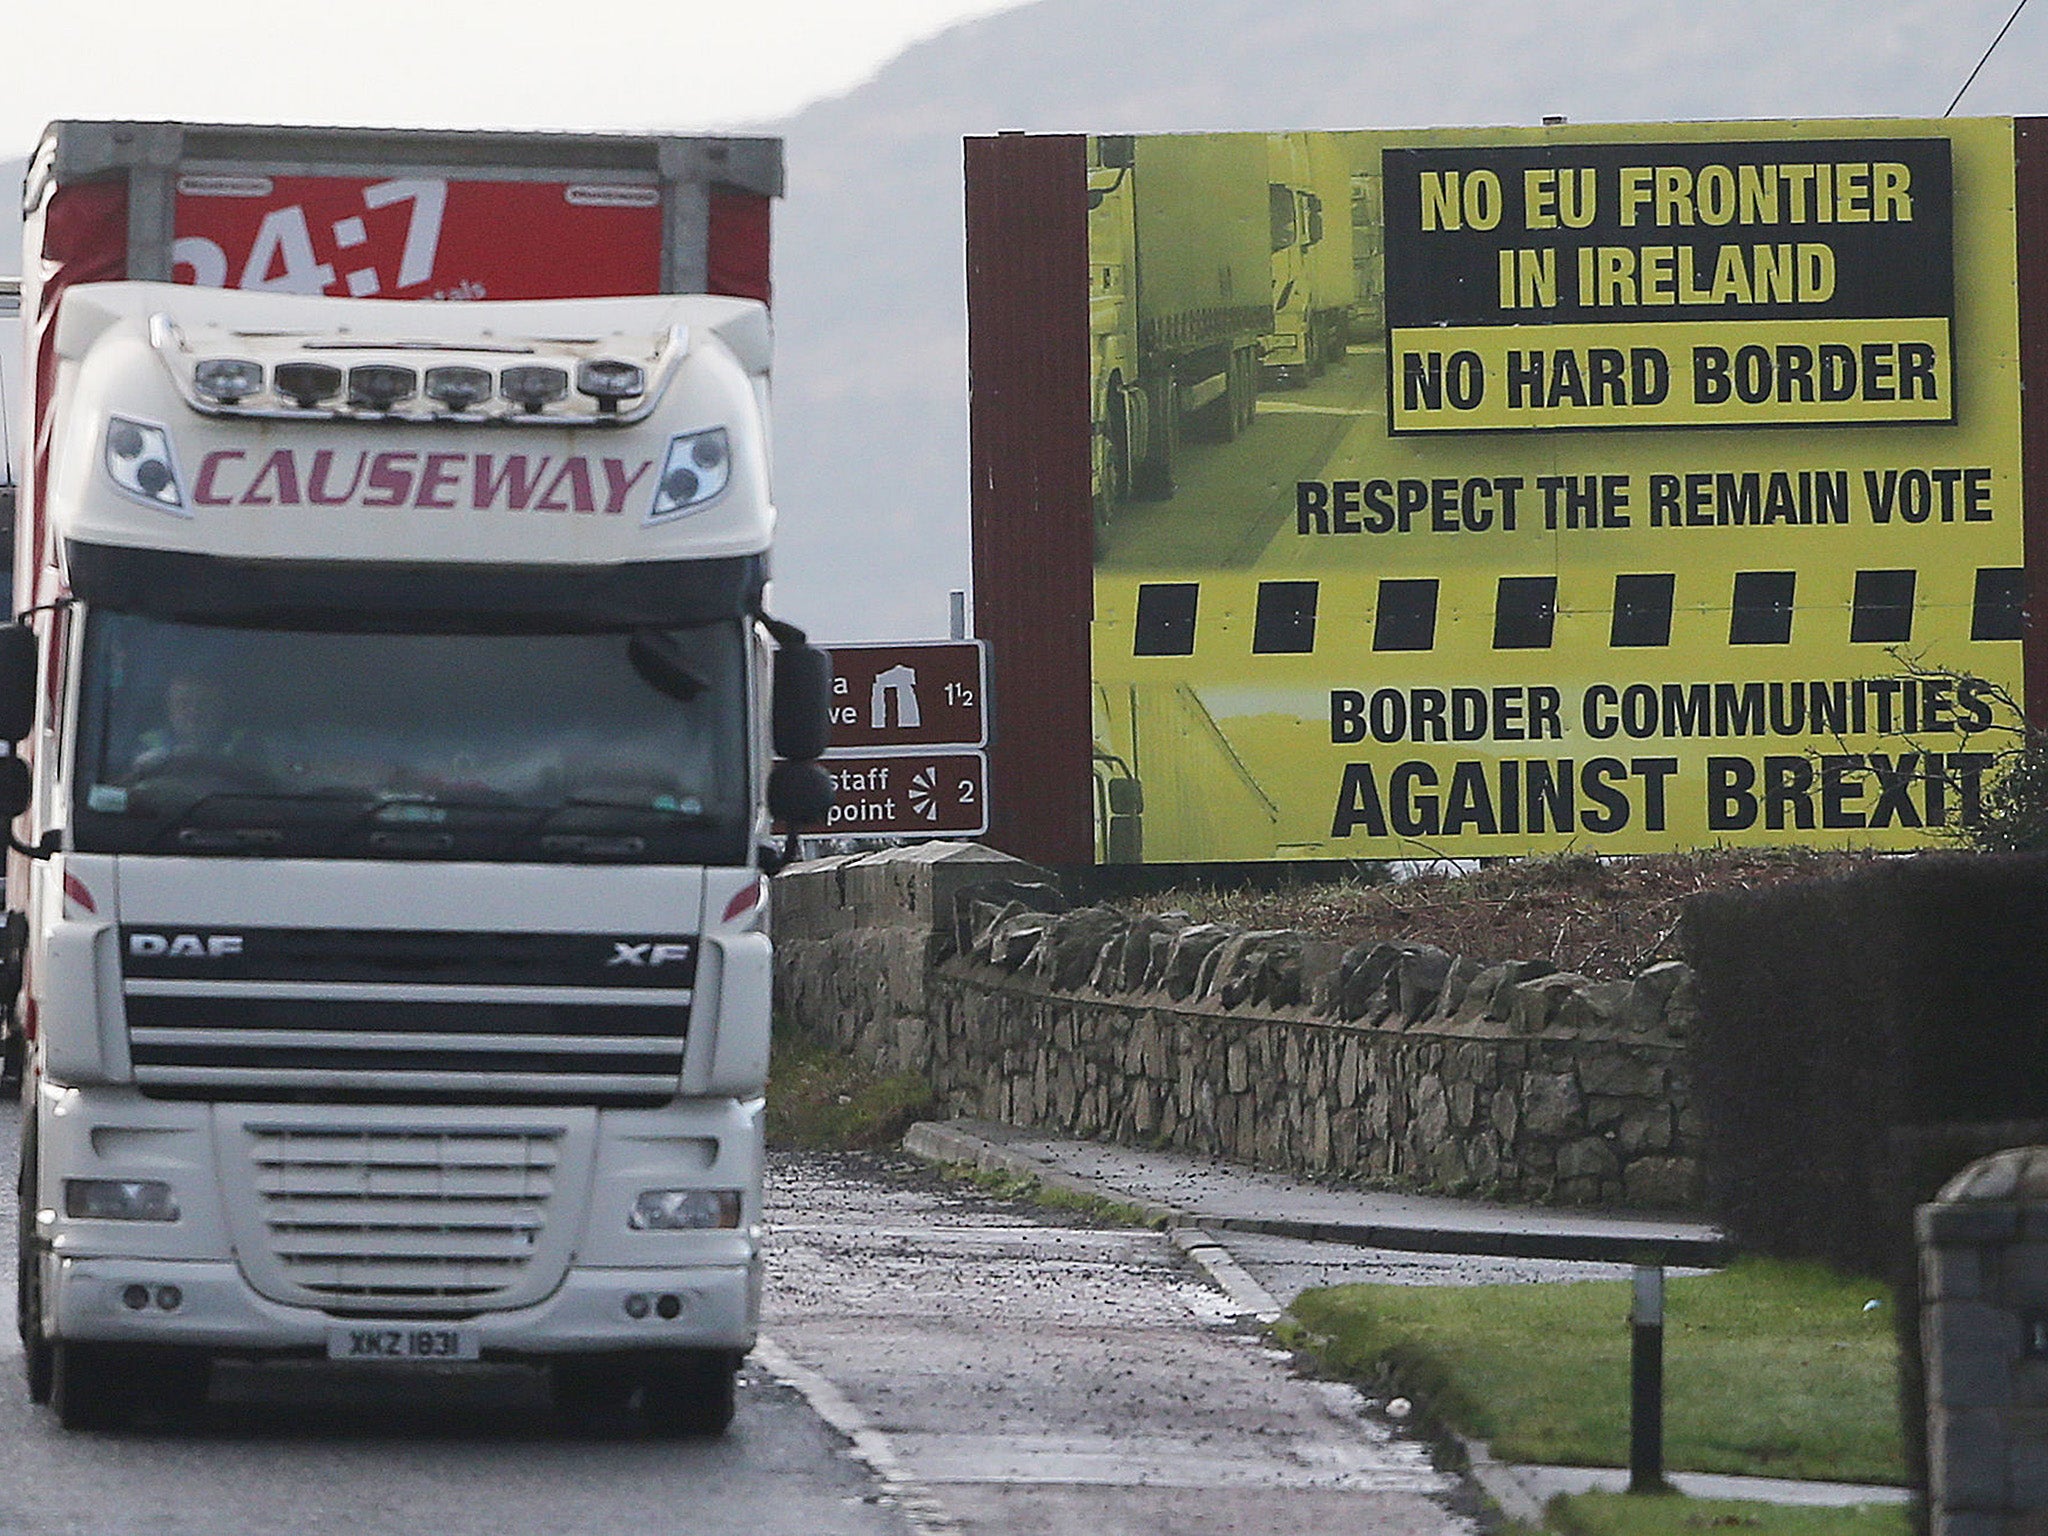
{"x":90,"y":1385}
{"x":593,"y":1395}
{"x":28,"y":1310}
{"x":1114,"y":480}
{"x":28,"y":1277}
{"x":688,"y":1392}
{"x":1157,"y":474}
{"x":28,"y":1317}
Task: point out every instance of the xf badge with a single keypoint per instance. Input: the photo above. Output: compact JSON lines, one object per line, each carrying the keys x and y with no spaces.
{"x":624,"y":953}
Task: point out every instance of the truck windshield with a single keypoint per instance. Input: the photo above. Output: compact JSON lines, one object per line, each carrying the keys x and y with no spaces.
{"x":567,"y":747}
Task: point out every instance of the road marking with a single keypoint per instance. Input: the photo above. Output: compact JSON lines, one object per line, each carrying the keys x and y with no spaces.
{"x":1230,"y":1277}
{"x":926,"y":1515}
{"x":1308,"y":408}
{"x":1154,"y":1461}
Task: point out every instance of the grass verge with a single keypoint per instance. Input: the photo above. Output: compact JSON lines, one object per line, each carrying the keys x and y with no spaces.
{"x":1770,"y":1369}
{"x":1098,"y":1209}
{"x":820,"y":1099}
{"x":1615,"y":1514}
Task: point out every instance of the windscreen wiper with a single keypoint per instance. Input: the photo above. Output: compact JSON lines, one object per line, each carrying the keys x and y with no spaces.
{"x":229,"y":839}
{"x":598,"y":824}
{"x":688,"y":811}
{"x":231,"y":821}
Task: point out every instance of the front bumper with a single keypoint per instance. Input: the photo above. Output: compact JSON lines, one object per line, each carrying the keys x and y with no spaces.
{"x":1284,"y":349}
{"x":217,"y":1310}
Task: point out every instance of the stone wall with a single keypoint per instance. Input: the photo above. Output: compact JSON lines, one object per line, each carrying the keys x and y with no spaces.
{"x":1391,"y":1061}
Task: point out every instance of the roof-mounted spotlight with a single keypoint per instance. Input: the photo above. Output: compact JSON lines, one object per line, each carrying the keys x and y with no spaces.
{"x":227,"y":380}
{"x":307,"y":384}
{"x":458,"y":387}
{"x":608,"y":380}
{"x":380,"y":386}
{"x":533,"y":386}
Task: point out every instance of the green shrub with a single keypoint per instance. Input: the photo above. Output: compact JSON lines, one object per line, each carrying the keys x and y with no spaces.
{"x":822,"y":1099}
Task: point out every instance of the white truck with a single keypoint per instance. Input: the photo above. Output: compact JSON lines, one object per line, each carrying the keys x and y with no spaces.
{"x":1314,"y":283}
{"x":400,"y":735}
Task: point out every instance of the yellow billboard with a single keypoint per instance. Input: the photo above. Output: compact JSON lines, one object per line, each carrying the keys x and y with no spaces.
{"x":1613,"y":488}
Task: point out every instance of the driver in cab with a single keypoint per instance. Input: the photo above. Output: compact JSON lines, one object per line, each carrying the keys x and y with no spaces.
{"x":196,"y":732}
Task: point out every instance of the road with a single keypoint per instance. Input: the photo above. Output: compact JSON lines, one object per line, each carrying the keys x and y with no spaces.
{"x":317,"y":1451}
{"x":1046,"y":1379}
{"x":1233,"y":499}
{"x":998,"y":1370}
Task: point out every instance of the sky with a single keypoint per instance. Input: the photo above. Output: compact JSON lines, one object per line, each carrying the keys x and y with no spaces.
{"x":689,"y":65}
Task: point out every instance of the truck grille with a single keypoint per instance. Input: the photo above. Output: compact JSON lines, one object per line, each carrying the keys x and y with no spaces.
{"x":367,"y":1016}
{"x":367,"y":1218}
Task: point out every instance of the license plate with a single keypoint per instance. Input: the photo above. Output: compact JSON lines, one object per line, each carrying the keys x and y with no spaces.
{"x":378,"y":1342}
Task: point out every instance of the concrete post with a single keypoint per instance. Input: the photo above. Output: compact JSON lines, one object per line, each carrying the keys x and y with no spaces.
{"x":1984,"y":1334}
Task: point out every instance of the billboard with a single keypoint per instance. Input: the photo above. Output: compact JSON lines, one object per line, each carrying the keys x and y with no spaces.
{"x":1618,"y":488}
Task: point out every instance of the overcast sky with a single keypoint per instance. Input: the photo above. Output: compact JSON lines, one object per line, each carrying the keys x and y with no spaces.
{"x":597,"y":64}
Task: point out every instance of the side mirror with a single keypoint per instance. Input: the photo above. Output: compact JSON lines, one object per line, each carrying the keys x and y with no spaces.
{"x":802,"y":725}
{"x":14,"y":787}
{"x":1126,"y":797}
{"x":17,"y":681}
{"x":800,"y":794}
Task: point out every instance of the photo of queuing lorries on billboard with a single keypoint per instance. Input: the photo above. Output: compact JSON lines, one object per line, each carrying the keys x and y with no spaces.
{"x":1197,"y":325}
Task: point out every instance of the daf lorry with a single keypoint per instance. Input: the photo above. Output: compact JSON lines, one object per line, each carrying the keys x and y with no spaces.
{"x":400,"y":730}
{"x":1314,"y":282}
{"x":1180,"y":295}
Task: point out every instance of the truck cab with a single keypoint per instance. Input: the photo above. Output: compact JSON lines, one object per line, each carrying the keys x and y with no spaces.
{"x":397,"y":718}
{"x":1314,"y":284}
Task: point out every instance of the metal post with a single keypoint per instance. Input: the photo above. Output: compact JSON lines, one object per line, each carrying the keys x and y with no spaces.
{"x":956,"y":604}
{"x":1646,"y":1383}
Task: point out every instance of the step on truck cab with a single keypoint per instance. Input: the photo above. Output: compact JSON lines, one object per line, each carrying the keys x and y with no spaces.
{"x":397,"y":719}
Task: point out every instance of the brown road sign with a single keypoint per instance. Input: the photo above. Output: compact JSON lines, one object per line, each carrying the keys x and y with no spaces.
{"x":930,"y":794}
{"x":886,"y":697}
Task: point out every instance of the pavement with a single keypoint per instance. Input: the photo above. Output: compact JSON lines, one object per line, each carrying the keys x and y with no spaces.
{"x":1263,"y":1237}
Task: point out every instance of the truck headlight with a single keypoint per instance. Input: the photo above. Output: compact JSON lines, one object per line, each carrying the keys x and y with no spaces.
{"x":696,"y":471}
{"x":227,"y":380}
{"x":608,"y":380}
{"x":532,"y":387}
{"x":139,"y":459}
{"x":307,"y":384}
{"x":683,"y":1210}
{"x":457,"y":387}
{"x":120,"y":1200}
{"x":380,"y":386}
